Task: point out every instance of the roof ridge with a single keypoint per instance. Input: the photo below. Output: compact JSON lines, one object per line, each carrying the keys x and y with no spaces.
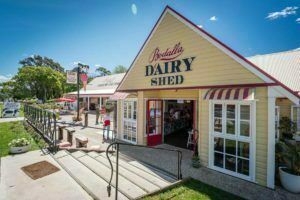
{"x":288,"y":51}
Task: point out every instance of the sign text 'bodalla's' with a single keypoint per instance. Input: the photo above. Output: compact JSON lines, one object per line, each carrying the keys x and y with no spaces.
{"x":170,"y":66}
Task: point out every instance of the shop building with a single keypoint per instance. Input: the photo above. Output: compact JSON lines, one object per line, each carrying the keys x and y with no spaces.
{"x":185,"y":79}
{"x":98,"y":91}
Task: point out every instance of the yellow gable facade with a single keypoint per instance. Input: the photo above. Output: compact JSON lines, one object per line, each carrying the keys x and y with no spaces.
{"x":208,"y":64}
{"x":182,"y":63}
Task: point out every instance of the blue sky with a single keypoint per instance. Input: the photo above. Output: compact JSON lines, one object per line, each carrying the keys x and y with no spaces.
{"x":109,"y":33}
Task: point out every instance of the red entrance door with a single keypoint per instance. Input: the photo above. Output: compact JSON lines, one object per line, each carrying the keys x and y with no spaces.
{"x":154,"y":122}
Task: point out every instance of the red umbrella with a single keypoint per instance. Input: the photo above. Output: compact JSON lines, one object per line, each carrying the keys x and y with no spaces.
{"x":64,"y":100}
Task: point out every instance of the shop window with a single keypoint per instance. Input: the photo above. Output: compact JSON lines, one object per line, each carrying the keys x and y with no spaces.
{"x":232,"y":138}
{"x":129,"y":121}
{"x":295,"y":116}
{"x":277,"y":124}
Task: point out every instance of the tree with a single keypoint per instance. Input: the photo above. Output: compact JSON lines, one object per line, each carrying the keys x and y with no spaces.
{"x":103,"y":71}
{"x":39,"y":61}
{"x":41,"y":82}
{"x":119,"y":69}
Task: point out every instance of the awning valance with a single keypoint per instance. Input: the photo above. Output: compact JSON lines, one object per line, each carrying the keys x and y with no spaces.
{"x":119,"y":95}
{"x":229,"y":94}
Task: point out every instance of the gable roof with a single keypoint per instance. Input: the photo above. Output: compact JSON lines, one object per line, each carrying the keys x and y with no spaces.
{"x":108,"y":82}
{"x":284,"y":66}
{"x":103,"y":85}
{"x":267,"y":78}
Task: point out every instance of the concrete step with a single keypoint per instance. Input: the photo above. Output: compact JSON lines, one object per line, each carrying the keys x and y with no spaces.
{"x":135,"y":174}
{"x":144,"y":168}
{"x":126,"y":187}
{"x":93,"y":184}
{"x":140,"y":181}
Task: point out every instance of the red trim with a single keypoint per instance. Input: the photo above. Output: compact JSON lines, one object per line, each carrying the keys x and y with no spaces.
{"x":228,"y":93}
{"x":156,"y":139}
{"x":206,"y":87}
{"x":211,"y":96}
{"x":142,"y":47}
{"x":236,"y":93}
{"x":220,"y":94}
{"x":246,"y":93}
{"x":215,"y":39}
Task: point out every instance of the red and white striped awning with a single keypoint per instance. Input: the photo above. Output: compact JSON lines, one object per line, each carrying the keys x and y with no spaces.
{"x":229,"y":94}
{"x":119,"y":95}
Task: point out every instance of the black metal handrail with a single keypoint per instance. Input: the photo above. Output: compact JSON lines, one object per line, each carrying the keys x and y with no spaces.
{"x":44,"y":121}
{"x":116,"y":145}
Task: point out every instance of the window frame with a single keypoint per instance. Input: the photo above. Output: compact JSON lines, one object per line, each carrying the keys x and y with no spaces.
{"x":251,"y":139}
{"x":129,"y":120}
{"x":292,"y":116}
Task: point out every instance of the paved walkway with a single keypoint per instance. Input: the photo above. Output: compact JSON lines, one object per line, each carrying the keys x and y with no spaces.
{"x":228,"y":183}
{"x":11,"y":119}
{"x":15,"y":184}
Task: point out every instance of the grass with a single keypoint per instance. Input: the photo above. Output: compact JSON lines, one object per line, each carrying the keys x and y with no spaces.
{"x":193,"y":190}
{"x":15,"y":130}
{"x":21,"y":114}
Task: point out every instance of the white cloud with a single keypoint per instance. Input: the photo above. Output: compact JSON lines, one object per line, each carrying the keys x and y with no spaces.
{"x":298,"y":20}
{"x":200,"y":26}
{"x":291,"y":10}
{"x":5,"y":78}
{"x":133,"y":9}
{"x":213,"y":18}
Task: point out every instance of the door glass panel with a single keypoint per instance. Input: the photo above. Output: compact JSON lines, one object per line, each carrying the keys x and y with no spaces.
{"x":218,"y":125}
{"x":218,"y":110}
{"x":243,"y":149}
{"x":154,"y":121}
{"x":230,"y":147}
{"x":230,"y":119}
{"x":243,"y":166}
{"x":245,"y":128}
{"x":219,"y":159}
{"x":218,"y":118}
{"x":230,"y":162}
{"x":245,"y":112}
{"x":219,"y":144}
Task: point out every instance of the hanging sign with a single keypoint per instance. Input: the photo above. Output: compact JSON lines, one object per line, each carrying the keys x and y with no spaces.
{"x":71,"y":77}
{"x":84,"y":79}
{"x":166,"y":63}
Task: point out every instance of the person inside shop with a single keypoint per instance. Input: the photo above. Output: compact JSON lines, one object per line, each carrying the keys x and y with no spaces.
{"x":106,"y":126}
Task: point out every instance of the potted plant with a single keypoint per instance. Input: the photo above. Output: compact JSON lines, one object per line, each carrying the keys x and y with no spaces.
{"x":19,"y":145}
{"x":290,"y":174}
{"x":287,"y":128}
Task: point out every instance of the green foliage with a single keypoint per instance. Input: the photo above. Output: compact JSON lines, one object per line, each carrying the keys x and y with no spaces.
{"x":16,"y":130}
{"x":39,"y":61}
{"x":119,"y":69}
{"x":290,"y":153}
{"x":193,"y":190}
{"x":19,"y":142}
{"x":287,"y":127}
{"x":103,"y":71}
{"x":41,"y":82}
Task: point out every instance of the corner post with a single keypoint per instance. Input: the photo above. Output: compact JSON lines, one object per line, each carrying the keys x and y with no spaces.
{"x":271,"y":138}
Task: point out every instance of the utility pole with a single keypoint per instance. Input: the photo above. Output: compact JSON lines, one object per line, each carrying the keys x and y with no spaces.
{"x":78,"y":89}
{"x":79,"y":68}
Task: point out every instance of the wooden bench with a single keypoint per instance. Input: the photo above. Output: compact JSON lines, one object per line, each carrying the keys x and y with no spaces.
{"x":70,"y":132}
{"x":81,"y":141}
